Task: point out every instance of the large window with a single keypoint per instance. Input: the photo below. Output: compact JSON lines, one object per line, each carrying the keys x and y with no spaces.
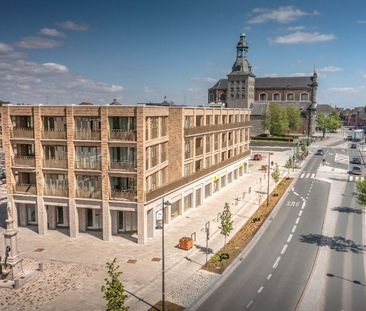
{"x":276,"y":96}
{"x":304,"y":96}
{"x":290,"y":96}
{"x":188,"y":202}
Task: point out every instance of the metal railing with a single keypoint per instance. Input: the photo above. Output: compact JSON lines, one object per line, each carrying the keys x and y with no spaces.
{"x":88,"y":164}
{"x":118,"y":134}
{"x":55,"y":163}
{"x":25,"y":161}
{"x":87,"y":134}
{"x":25,"y":188}
{"x":54,"y":134}
{"x":23,"y":132}
{"x":129,"y":194}
{"x":123,"y":165}
{"x":56,"y":192}
{"x":88,"y":194}
{"x":214,"y":128}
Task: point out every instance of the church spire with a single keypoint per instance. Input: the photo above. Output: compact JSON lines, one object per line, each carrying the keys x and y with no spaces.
{"x":242,"y":47}
{"x":241,"y":65}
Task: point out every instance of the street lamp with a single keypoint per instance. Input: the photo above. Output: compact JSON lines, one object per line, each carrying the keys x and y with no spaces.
{"x":268,"y":177}
{"x":164,"y":204}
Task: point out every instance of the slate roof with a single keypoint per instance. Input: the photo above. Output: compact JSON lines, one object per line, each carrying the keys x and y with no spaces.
{"x":221,"y":84}
{"x":282,"y":82}
{"x":324,"y":108}
{"x":258,"y":108}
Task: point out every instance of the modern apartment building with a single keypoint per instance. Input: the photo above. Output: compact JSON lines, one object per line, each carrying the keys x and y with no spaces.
{"x":107,"y":168}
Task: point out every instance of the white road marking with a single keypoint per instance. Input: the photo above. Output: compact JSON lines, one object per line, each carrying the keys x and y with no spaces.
{"x":269,"y":276}
{"x":303,"y":205}
{"x":297,"y":220}
{"x":293,"y":228}
{"x":302,"y":175}
{"x":295,"y":193}
{"x":284,"y":249}
{"x":313,"y":175}
{"x":300,"y":213}
{"x":289,"y":238}
{"x":275,"y":265}
{"x":249,"y":304}
{"x":260,"y":289}
{"x":307,"y":175}
{"x":350,"y":178}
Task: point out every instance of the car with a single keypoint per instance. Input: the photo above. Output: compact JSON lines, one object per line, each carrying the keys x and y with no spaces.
{"x":356,"y":161}
{"x":319,"y":152}
{"x":356,"y":170}
{"x":349,"y":137}
{"x":257,"y":157}
{"x":354,"y":146}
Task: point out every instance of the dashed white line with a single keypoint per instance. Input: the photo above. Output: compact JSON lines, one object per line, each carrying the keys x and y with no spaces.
{"x":297,"y":220}
{"x":269,"y":276}
{"x":300,"y":213}
{"x":302,"y":175}
{"x":303,"y":205}
{"x":249,"y":304}
{"x":293,"y":228}
{"x":275,"y":265}
{"x":289,"y":238}
{"x":295,"y":193}
{"x":313,"y":175}
{"x":284,"y":249}
{"x":260,"y":289}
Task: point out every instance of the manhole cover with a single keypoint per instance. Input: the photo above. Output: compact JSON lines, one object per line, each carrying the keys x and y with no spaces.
{"x":38,"y":250}
{"x":132,"y":261}
{"x":156,"y":259}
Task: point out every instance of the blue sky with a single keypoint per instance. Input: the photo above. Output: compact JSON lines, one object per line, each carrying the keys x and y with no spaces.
{"x":140,"y":51}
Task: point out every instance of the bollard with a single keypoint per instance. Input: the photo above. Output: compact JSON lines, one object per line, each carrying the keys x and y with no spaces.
{"x":193,"y":236}
{"x":40,"y":266}
{"x":250,"y":190}
{"x":243,"y":195}
{"x":16,"y":283}
{"x":218,"y":216}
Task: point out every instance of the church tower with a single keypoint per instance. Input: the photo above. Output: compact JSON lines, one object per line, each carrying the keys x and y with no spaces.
{"x":241,"y":80}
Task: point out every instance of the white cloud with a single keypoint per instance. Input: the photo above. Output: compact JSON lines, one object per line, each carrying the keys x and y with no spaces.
{"x":330,"y":69}
{"x":303,"y":38}
{"x":283,"y":14}
{"x":56,"y":67}
{"x":204,"y":79}
{"x":51,"y":32}
{"x":70,"y":25}
{"x":38,"y":43}
{"x":149,"y":89}
{"x":295,"y":28}
{"x":347,"y":89}
{"x":5,"y":48}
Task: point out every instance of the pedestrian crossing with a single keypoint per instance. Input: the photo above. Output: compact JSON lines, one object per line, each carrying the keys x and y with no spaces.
{"x":355,"y":178}
{"x":341,"y":158}
{"x":307,"y":175}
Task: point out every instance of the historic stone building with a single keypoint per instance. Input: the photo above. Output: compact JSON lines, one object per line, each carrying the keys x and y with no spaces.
{"x":107,"y":168}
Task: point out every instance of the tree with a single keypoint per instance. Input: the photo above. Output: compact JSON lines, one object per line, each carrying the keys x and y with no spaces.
{"x":294,"y":117}
{"x":226,"y":221}
{"x":113,"y":290}
{"x":276,"y":174}
{"x":361,"y":192}
{"x":333,"y":121}
{"x":288,"y":164}
{"x":321,"y":121}
{"x":276,"y":119}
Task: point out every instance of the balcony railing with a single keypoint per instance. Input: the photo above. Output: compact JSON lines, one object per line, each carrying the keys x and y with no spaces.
{"x":208,"y":147}
{"x":54,"y":134}
{"x":214,"y":128}
{"x":199,"y":151}
{"x":25,"y":188}
{"x":122,"y":135}
{"x":231,"y":142}
{"x":88,"y":193}
{"x":154,"y":133}
{"x":123,"y":165}
{"x":216,"y":145}
{"x":87,"y":134}
{"x":129,"y":194}
{"x":55,"y":163}
{"x":23,"y":132}
{"x":188,"y":154}
{"x":25,"y":161}
{"x":154,"y":161}
{"x":87,"y":164}
{"x":56,"y":191}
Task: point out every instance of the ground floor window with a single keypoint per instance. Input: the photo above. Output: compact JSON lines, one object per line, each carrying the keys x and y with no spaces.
{"x":229,"y":177}
{"x":236,"y":174}
{"x":188,"y":202}
{"x":198,"y":197}
{"x":59,"y":215}
{"x":127,"y":221}
{"x":174,"y":209}
{"x":240,"y":171}
{"x":216,"y":185}
{"x":31,"y":214}
{"x":93,"y":218}
{"x":223,"y":181}
{"x":208,"y":190}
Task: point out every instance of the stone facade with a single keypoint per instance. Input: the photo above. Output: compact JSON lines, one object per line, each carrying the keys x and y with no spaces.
{"x":107,"y":168}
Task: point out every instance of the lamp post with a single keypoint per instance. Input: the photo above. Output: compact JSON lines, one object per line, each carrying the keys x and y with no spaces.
{"x":268,"y":177}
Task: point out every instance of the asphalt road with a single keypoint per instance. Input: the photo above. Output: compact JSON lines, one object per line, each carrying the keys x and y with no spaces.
{"x":275,"y":272}
{"x":346,"y":285}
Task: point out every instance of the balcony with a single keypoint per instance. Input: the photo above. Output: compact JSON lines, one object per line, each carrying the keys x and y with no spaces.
{"x":88,"y":193}
{"x":54,"y":134}
{"x":116,"y":134}
{"x":56,"y":192}
{"x":129,"y":194}
{"x":87,"y":135}
{"x":25,"y":188}
{"x":87,"y":164}
{"x":23,"y":132}
{"x":123,"y":165}
{"x":29,"y":161}
{"x":55,"y":163}
{"x":215,"y":128}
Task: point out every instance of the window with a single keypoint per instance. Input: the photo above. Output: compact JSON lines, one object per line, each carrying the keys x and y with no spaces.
{"x":174,"y":209}
{"x":154,"y":155}
{"x":217,"y":119}
{"x":208,"y":120}
{"x":263,"y":96}
{"x":31,"y":214}
{"x":187,"y":148}
{"x":198,"y":165}
{"x":164,"y":126}
{"x":188,"y":202}
{"x":208,"y":162}
{"x":223,"y":119}
{"x":276,"y":96}
{"x":59,"y":215}
{"x":163,"y":176}
{"x":154,"y":127}
{"x":163,"y":152}
{"x":188,"y":122}
{"x":187,"y":169}
{"x":304,"y":96}
{"x":199,"y":121}
{"x":290,"y":96}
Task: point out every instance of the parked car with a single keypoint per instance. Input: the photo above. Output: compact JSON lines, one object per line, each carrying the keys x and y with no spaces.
{"x":349,"y":137}
{"x":257,"y":157}
{"x":354,"y":146}
{"x":356,"y":161}
{"x":356,"y":170}
{"x":319,"y":152}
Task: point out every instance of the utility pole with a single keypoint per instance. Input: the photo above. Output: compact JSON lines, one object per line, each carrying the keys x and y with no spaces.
{"x":268,"y":177}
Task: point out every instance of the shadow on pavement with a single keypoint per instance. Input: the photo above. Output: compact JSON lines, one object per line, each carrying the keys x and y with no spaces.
{"x":337,"y":243}
{"x":141,"y":299}
{"x":342,"y":278}
{"x":203,"y":249}
{"x":347,"y":210}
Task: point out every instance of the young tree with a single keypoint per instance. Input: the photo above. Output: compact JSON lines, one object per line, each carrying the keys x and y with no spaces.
{"x":361,"y":192}
{"x":113,"y":290}
{"x":276,"y":119}
{"x":288,"y":164}
{"x":294,"y":117}
{"x":333,"y":122}
{"x":321,"y":121}
{"x":276,"y":174}
{"x":226,"y":221}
